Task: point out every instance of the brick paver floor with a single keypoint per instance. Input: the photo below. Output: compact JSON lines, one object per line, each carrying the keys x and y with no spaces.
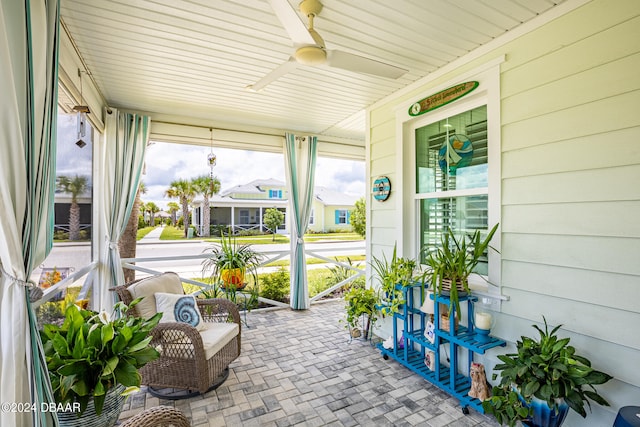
{"x":299,"y":368}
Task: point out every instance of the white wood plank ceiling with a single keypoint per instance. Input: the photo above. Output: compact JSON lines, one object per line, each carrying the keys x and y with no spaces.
{"x":195,"y":57}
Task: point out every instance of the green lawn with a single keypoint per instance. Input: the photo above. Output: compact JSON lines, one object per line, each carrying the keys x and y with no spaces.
{"x":143,"y":232}
{"x":172,"y":233}
{"x":286,"y":262}
{"x":268,"y":239}
{"x":256,"y":240}
{"x":332,"y":237}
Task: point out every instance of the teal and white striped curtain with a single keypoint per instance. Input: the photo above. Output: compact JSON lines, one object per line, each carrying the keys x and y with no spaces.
{"x":300,"y":168}
{"x":29,"y":34}
{"x":126,"y":139}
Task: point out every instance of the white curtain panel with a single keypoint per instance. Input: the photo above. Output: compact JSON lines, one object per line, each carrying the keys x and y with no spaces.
{"x":29,"y":33}
{"x":300,"y":166}
{"x":126,"y":138}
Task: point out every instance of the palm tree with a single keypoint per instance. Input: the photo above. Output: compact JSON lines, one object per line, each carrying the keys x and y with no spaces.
{"x":143,"y":211}
{"x":75,"y":186}
{"x":207,"y":186}
{"x":173,"y":209}
{"x":184,"y":191}
{"x":128,"y":240}
{"x":152,"y":208}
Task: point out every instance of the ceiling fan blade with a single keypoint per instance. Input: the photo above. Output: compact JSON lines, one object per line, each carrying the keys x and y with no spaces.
{"x":292,"y":23}
{"x":360,"y":64}
{"x":274,"y":75}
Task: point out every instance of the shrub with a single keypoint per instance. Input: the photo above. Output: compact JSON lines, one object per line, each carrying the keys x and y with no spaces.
{"x":338,"y":274}
{"x":217,"y":230}
{"x":61,"y":235}
{"x":359,"y":217}
{"x":275,"y":286}
{"x":253,"y":232}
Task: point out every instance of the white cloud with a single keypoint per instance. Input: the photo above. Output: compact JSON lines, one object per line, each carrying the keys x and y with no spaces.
{"x":71,"y":160}
{"x":167,"y":162}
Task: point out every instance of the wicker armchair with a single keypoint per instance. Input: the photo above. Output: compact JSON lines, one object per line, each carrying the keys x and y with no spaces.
{"x":191,"y":361}
{"x":158,"y":416}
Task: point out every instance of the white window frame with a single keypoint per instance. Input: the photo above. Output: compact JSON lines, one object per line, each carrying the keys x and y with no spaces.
{"x":487,"y":93}
{"x":343,"y":213}
{"x":242,"y":213}
{"x":275,"y":194}
{"x":312,"y":217}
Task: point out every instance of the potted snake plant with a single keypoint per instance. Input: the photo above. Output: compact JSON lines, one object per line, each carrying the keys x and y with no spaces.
{"x":230,"y":261}
{"x":450,"y":264}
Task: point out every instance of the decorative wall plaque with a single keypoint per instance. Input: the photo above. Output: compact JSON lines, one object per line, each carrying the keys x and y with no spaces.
{"x":441,"y":98}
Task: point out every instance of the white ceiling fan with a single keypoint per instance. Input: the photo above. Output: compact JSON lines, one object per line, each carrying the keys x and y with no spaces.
{"x":310,"y":48}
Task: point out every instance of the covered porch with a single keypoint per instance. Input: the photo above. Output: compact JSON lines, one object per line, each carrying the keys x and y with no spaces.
{"x":239,"y":216}
{"x":559,"y":88}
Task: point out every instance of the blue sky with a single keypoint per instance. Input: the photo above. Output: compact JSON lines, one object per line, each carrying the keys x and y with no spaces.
{"x":167,"y":162}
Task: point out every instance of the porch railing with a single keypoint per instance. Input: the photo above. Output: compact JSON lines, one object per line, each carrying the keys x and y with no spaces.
{"x":237,"y":228}
{"x":88,"y":273}
{"x":270,"y":256}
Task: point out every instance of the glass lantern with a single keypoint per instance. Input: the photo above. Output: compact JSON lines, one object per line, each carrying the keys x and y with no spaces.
{"x":483,"y":319}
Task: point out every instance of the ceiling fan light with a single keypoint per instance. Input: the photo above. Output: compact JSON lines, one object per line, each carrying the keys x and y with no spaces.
{"x":311,"y":55}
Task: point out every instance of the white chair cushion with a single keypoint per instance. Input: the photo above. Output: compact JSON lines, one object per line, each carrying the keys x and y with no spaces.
{"x":179,"y":308}
{"x":166,"y":282}
{"x":216,"y":335}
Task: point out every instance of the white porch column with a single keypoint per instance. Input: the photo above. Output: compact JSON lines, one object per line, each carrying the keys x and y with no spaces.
{"x":233,"y":219}
{"x":260,"y":215}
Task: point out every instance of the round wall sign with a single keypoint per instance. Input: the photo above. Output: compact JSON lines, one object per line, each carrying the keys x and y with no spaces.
{"x":381,"y":188}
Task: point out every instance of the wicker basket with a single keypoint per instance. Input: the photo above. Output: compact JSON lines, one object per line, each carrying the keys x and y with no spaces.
{"x":111,"y":410}
{"x":444,"y":323}
{"x":446,"y":287}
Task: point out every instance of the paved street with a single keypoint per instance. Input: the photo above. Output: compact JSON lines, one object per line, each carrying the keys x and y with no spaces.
{"x":78,"y":255}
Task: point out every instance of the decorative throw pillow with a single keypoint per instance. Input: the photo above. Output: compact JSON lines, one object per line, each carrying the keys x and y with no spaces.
{"x":179,"y":308}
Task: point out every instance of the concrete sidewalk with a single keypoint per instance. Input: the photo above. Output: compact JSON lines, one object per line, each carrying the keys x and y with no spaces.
{"x":153,"y":236}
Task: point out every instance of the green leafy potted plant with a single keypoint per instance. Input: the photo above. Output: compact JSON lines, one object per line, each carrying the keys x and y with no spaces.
{"x":230,"y":261}
{"x":393,"y":275}
{"x":451,"y":263}
{"x":93,"y":361}
{"x":360,"y":301}
{"x":542,"y":380}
